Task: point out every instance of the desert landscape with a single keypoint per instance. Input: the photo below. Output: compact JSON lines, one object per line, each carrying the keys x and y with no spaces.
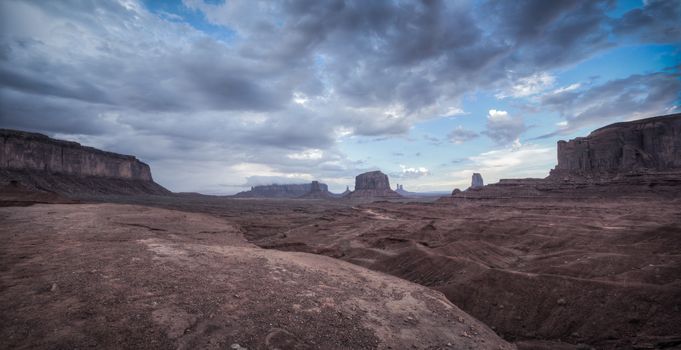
{"x":340,"y":174}
{"x":586,"y":258}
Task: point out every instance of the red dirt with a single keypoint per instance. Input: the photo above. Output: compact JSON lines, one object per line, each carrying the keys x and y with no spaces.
{"x":543,"y":273}
{"x":121,"y":276}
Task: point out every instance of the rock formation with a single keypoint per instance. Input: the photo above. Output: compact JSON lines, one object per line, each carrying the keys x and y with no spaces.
{"x":347,"y":191}
{"x":38,"y":161}
{"x":635,"y":159}
{"x":640,"y":146}
{"x":373,"y":184}
{"x":316,"y":192}
{"x":476,"y":181}
{"x":402,"y":192}
{"x":280,"y":191}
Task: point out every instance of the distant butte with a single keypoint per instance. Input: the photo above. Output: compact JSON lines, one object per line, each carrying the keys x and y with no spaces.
{"x":373,"y":184}
{"x":281,"y":191}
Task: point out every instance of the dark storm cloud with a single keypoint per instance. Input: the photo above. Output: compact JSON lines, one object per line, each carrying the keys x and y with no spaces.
{"x":460,"y":135}
{"x":502,"y":128}
{"x":620,"y":99}
{"x":546,"y":34}
{"x":658,"y":21}
{"x":297,"y":74}
{"x":23,"y":111}
{"x":36,"y":84}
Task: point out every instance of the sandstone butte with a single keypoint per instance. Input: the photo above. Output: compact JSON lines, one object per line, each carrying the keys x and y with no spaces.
{"x":373,"y":184}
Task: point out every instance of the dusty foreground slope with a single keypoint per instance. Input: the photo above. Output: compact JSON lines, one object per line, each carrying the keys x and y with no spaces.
{"x":605,"y":273}
{"x":123,"y":276}
{"x":544,"y":273}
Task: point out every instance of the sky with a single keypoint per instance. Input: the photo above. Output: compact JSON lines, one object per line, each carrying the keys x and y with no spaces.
{"x":218,"y":96}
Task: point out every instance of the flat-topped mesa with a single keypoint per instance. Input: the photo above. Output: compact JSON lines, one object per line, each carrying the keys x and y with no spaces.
{"x":637,"y":147}
{"x":373,"y":184}
{"x":40,"y":162}
{"x":37,"y":152}
{"x":280,"y":191}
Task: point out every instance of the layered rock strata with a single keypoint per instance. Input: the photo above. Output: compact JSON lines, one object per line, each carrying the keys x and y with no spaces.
{"x":38,"y":161}
{"x":636,"y":147}
{"x":628,"y":159}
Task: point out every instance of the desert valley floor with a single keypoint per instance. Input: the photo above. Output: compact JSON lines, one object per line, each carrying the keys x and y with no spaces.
{"x":188,"y":271}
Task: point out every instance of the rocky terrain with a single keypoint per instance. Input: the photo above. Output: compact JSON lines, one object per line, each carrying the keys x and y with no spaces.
{"x":64,"y":167}
{"x":543,"y":273}
{"x":127,"y":277}
{"x":372,"y":185}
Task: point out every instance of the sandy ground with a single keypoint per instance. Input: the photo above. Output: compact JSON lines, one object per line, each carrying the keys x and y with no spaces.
{"x":126,"y":276}
{"x":544,"y":274}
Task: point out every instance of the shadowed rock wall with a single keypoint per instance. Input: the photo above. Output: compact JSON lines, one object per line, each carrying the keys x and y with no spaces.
{"x":36,"y":152}
{"x":42,"y":163}
{"x":646,"y":145}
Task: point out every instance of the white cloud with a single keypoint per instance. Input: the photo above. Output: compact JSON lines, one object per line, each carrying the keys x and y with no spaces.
{"x":528,"y":86}
{"x":503,"y":128}
{"x":570,"y":87}
{"x":309,"y":154}
{"x":460,"y":135}
{"x":497,"y":115}
{"x":413,"y":172}
{"x":454,"y":112}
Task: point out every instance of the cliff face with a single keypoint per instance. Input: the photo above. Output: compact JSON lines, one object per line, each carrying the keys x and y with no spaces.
{"x":646,"y":145}
{"x":281,"y":191}
{"x":631,"y":159}
{"x":30,"y":151}
{"x":41,"y":162}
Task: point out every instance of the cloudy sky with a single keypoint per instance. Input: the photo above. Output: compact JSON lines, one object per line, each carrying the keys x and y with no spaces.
{"x":221,"y":95}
